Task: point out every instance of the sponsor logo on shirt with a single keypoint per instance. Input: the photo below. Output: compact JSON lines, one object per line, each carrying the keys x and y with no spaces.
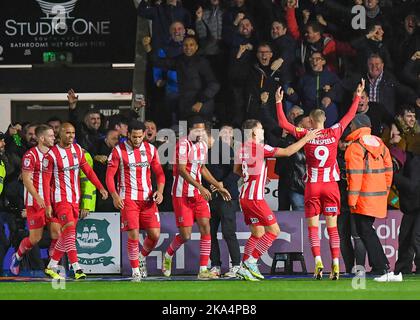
{"x":139,"y":164}
{"x":75,"y":167}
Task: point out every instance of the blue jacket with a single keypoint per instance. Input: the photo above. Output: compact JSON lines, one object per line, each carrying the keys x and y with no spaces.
{"x":173,"y":49}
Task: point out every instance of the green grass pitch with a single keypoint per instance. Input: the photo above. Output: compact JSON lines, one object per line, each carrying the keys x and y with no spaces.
{"x":274,"y":289}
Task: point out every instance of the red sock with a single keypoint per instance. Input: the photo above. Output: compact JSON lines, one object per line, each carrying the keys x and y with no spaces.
{"x":24,"y":246}
{"x":205,"y":246}
{"x":148,"y":246}
{"x":314,"y":241}
{"x":250,"y":247}
{"x":52,"y":246}
{"x":69,"y":237}
{"x":175,"y":244}
{"x":59,"y":249}
{"x":334,"y":242}
{"x":263,"y":244}
{"x":133,"y":252}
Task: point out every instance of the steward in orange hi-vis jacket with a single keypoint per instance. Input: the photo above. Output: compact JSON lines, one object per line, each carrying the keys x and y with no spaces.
{"x":369,"y":173}
{"x":369,"y":178}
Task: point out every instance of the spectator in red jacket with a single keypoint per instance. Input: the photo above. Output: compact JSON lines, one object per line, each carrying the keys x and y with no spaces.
{"x":314,"y":40}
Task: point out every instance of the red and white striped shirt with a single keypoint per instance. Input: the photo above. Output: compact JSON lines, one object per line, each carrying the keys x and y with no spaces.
{"x":61,"y":167}
{"x":254,"y":169}
{"x":134,"y":179}
{"x":32,"y":162}
{"x":321,"y":154}
{"x":194,"y":155}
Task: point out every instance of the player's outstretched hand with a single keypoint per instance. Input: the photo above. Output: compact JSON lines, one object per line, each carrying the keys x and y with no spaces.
{"x":279,"y":95}
{"x":205,"y":193}
{"x":360,"y":87}
{"x":312,"y":134}
{"x":157,"y":197}
{"x":225,"y":194}
{"x":104,"y":194}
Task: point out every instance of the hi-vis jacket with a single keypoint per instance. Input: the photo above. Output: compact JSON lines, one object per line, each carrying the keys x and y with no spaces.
{"x":87,"y":188}
{"x":369,"y":173}
{"x":2,"y":175}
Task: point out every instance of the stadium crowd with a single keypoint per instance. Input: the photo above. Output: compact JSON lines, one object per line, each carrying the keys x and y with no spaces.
{"x":224,"y":61}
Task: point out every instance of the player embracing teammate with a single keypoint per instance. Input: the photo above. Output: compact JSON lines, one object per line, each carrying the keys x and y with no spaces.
{"x":322,"y":194}
{"x":250,"y":163}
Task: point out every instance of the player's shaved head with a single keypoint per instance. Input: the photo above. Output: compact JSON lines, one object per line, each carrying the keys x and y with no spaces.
{"x":67,"y":134}
{"x":318,"y":116}
{"x":66,"y":125}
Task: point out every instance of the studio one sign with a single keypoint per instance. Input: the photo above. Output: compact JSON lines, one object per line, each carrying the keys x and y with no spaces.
{"x":57,"y":20}
{"x":88,"y":30}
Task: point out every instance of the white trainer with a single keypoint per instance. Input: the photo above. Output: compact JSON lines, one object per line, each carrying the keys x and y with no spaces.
{"x":232,"y":272}
{"x":389,"y":277}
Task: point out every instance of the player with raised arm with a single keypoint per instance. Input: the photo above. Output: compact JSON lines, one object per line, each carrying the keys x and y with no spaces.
{"x":34,"y":197}
{"x":251,"y":165}
{"x":322,"y":194}
{"x":61,"y":189}
{"x":134,"y":160}
{"x":190,"y":198}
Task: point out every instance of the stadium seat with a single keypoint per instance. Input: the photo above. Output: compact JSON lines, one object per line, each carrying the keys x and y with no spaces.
{"x":288,"y":258}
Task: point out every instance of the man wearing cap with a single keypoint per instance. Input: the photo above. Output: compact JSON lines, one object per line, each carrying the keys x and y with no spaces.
{"x":369,"y":177}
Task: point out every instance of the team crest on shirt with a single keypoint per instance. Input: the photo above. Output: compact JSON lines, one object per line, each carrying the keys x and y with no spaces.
{"x":182,"y":150}
{"x":32,"y":222}
{"x":63,"y":217}
{"x":45,"y":163}
{"x":270,"y":217}
{"x":143,"y":153}
{"x":27,"y":162}
{"x":75,"y":155}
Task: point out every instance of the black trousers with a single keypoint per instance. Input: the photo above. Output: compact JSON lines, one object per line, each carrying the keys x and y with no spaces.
{"x":409,"y":243}
{"x":376,"y":255}
{"x":224,"y":213}
{"x":283,"y":192}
